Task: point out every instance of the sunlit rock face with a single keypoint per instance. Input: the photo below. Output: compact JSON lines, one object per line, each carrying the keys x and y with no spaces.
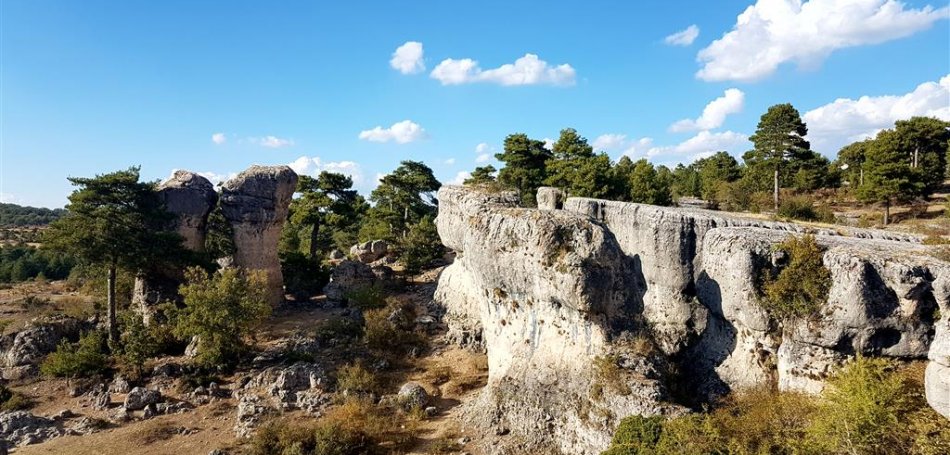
{"x":189,"y":198}
{"x":255,"y":203}
{"x":550,"y":294}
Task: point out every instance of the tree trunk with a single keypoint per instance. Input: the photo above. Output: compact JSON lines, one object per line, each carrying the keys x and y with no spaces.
{"x":887,"y":211}
{"x":113,"y":327}
{"x":775,"y":190}
{"x":313,"y":241}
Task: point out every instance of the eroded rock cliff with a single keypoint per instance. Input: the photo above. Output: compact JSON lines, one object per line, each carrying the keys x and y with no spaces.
{"x":586,"y":312}
{"x":255,"y":203}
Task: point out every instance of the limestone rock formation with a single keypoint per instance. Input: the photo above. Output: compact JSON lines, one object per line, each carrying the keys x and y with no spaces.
{"x":189,"y":197}
{"x":562,"y":299}
{"x":350,"y":276}
{"x":550,"y":198}
{"x":25,"y":349}
{"x":369,"y":251}
{"x":255,"y":203}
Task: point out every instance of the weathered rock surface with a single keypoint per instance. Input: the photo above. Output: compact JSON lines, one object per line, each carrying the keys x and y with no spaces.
{"x":255,"y":203}
{"x":21,"y":428}
{"x":278,"y":389}
{"x":139,"y":397}
{"x":23,"y":350}
{"x":350,"y":276}
{"x":551,"y":293}
{"x":369,"y":251}
{"x":550,"y":198}
{"x":189,"y":197}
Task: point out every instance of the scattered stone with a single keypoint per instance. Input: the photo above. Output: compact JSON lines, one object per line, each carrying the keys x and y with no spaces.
{"x":337,"y":255}
{"x":349,"y":276}
{"x":63,"y":415}
{"x":120,"y":385}
{"x":413,"y":395}
{"x":21,"y":428}
{"x":140,"y":397}
{"x":369,"y":251}
{"x":167,"y":370}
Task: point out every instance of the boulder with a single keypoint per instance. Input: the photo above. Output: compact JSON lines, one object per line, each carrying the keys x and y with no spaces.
{"x":349,"y":276}
{"x":369,"y":251}
{"x":413,"y":395}
{"x":140,"y":397}
{"x":24,"y":350}
{"x":255,"y":203}
{"x":21,"y":428}
{"x":550,"y":198}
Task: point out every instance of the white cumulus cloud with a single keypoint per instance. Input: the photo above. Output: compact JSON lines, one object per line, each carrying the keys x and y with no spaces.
{"x":714,"y":114}
{"x":460,"y":178}
{"x":216,"y":178}
{"x":846,"y":120}
{"x":683,"y":37}
{"x":772,"y":32}
{"x":313,"y":166}
{"x":609,"y":142}
{"x":402,"y":132}
{"x":218,"y":138}
{"x":8,"y":198}
{"x":703,"y":144}
{"x":273,"y":142}
{"x":408,"y":58}
{"x":449,"y":162}
{"x":485,"y":152}
{"x":527,"y":70}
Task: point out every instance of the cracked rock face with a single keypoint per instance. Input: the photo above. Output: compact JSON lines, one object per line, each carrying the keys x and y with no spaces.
{"x":189,"y":197}
{"x":255,"y":203}
{"x":555,"y":297}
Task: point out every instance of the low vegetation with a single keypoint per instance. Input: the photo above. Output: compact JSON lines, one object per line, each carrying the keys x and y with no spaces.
{"x":868,"y":407}
{"x":801,"y":286}
{"x":85,"y":358}
{"x":220,"y":309}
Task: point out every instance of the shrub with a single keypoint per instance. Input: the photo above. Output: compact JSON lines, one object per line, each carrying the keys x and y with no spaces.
{"x":355,"y":378}
{"x":609,"y":374}
{"x":636,"y":435}
{"x":303,"y":277}
{"x":83,"y":359}
{"x":390,"y":329}
{"x":861,"y":410}
{"x":367,"y":297}
{"x":421,"y":246}
{"x":12,"y":401}
{"x":220,"y":309}
{"x":338,"y":329}
{"x":803,"y":208}
{"x":802,"y":286}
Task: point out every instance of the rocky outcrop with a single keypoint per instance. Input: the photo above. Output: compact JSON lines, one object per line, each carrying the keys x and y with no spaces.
{"x":189,"y":198}
{"x":369,"y":251}
{"x":23,"y":350}
{"x":255,"y":203}
{"x":583,"y":310}
{"x":352,"y":276}
{"x":550,"y":198}
{"x":278,"y":389}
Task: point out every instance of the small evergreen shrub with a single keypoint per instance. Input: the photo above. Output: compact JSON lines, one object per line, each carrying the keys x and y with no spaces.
{"x":421,"y":246}
{"x":803,"y":208}
{"x":12,"y":401}
{"x":801,"y":287}
{"x":82,"y":359}
{"x":355,"y":378}
{"x":367,"y":298}
{"x":636,"y":435}
{"x":391,"y":329}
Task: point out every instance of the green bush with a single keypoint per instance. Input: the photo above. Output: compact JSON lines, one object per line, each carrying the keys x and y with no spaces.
{"x":636,"y":435}
{"x":355,"y":378}
{"x":220,"y":309}
{"x":303,"y":277}
{"x":801,"y":287}
{"x":338,"y":329}
{"x":803,"y":208}
{"x":367,"y":297}
{"x":12,"y":401}
{"x":82,"y":359}
{"x":383,"y":333}
{"x":421,"y":246}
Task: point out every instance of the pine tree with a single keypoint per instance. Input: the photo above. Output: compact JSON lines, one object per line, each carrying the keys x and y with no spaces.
{"x":779,"y":144}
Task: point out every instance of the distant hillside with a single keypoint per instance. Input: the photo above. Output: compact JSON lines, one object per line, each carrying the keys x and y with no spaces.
{"x":12,"y":215}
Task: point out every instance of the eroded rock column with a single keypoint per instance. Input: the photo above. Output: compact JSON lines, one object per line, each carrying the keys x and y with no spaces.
{"x":255,"y":203}
{"x":190,"y":198}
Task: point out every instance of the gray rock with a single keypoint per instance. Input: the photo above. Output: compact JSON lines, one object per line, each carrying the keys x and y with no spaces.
{"x":337,"y":255}
{"x":349,"y":276}
{"x":369,"y":251}
{"x":141,"y":397}
{"x":413,"y":395}
{"x":189,"y":197}
{"x":119,"y":385}
{"x":40,"y":337}
{"x":22,"y":428}
{"x":547,"y":292}
{"x":550,"y":198}
{"x":255,"y":203}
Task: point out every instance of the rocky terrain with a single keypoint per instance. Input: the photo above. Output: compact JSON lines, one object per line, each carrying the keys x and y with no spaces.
{"x":588,"y":310}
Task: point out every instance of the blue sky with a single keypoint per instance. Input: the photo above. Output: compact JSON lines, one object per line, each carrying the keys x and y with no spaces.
{"x":94,"y":86}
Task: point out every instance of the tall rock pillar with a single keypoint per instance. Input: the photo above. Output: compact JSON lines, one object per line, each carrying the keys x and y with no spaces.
{"x":255,"y":203}
{"x":190,"y":198}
